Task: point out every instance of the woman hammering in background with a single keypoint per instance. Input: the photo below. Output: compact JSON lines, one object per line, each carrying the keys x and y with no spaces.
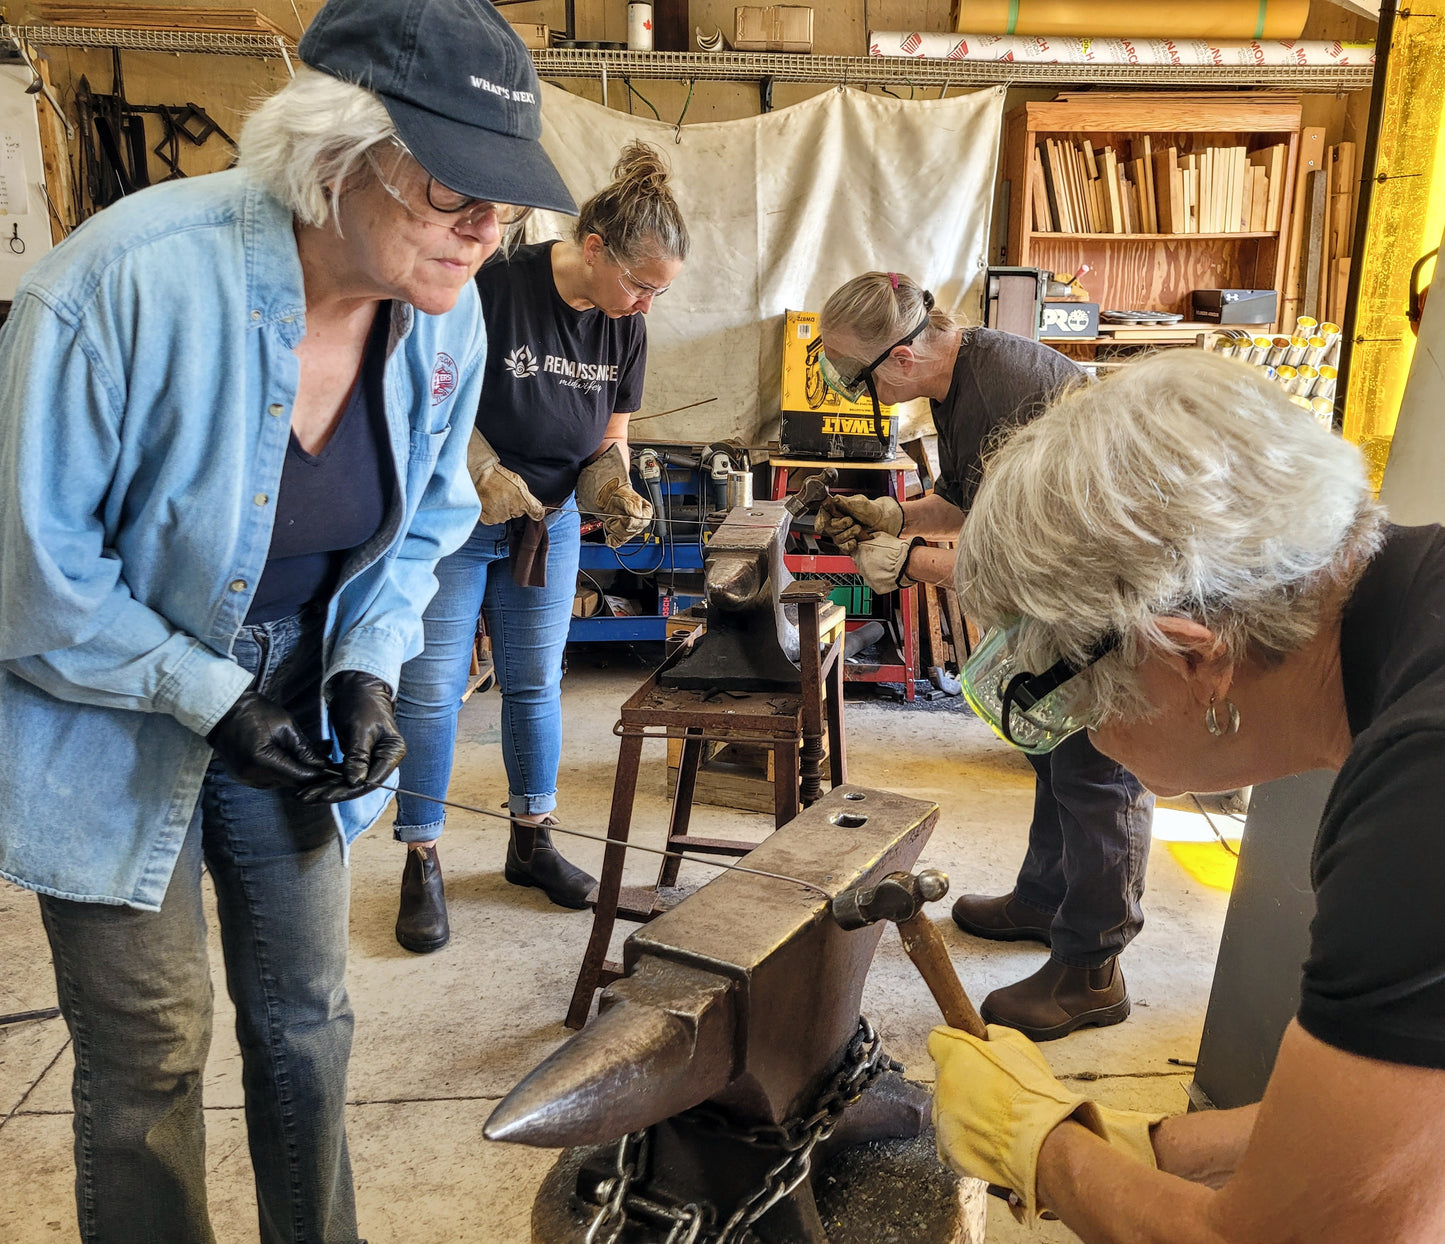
{"x":1080,"y":887}
{"x":566,"y":357}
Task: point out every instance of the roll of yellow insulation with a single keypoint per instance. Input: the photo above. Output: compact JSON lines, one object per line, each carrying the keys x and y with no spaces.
{"x":1138,"y":19}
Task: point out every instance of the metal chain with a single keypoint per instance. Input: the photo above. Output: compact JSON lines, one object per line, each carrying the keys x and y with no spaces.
{"x":863,"y":1062}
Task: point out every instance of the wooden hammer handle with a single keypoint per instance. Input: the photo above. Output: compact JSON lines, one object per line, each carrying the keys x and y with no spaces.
{"x":925,"y":946}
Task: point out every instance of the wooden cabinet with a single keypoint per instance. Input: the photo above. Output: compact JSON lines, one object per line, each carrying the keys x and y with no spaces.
{"x":1153,"y":271}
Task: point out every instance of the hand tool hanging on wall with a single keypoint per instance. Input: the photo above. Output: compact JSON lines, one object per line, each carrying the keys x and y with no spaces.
{"x":114,"y":148}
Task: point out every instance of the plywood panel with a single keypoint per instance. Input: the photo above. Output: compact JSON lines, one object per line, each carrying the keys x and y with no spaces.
{"x":1155,"y":276}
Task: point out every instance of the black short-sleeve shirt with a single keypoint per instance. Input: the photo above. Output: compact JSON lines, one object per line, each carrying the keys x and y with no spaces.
{"x":554,"y":375}
{"x":999,"y":381}
{"x":1374,"y":982}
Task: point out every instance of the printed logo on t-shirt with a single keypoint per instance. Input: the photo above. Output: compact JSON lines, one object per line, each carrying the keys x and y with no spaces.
{"x":589,"y":377}
{"x":443,"y":378}
{"x":521,"y":362}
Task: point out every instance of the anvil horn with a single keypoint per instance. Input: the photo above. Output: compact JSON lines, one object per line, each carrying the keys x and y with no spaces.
{"x":664,"y":1043}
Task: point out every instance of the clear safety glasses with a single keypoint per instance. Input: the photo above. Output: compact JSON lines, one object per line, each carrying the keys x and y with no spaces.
{"x":1034,"y":712}
{"x":450,"y":209}
{"x":851,"y":385}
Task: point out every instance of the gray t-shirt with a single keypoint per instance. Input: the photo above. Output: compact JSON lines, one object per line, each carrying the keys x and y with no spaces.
{"x":999,"y":381}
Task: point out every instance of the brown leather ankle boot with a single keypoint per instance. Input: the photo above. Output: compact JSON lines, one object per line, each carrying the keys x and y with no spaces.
{"x":421,"y":922}
{"x":1058,"y":998}
{"x":532,"y":860}
{"x":1002,"y":919}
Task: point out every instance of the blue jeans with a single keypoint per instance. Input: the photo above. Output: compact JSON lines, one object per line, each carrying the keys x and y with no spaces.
{"x":1088,"y":848}
{"x":135,"y":988}
{"x":528,"y":630}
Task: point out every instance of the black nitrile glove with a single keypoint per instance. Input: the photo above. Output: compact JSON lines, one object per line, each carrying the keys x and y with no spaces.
{"x":262,"y":746}
{"x":363,"y":720}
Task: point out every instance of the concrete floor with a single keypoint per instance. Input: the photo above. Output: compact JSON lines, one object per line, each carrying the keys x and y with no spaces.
{"x":441,"y":1038}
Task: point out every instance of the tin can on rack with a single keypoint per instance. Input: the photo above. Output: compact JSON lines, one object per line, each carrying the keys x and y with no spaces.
{"x":1330,"y":332}
{"x":1259,"y":350}
{"x":1323,"y":409}
{"x":1305,"y":326}
{"x":1304,"y":381}
{"x":1325,"y":385}
{"x":1295,"y":355}
{"x":639,"y":27}
{"x":1315,"y":351}
{"x":1277,"y":348}
{"x":1284,"y":373}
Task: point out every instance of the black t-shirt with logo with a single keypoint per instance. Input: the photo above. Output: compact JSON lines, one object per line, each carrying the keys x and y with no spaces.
{"x":999,"y":380}
{"x":554,"y":375}
{"x":1374,"y":983}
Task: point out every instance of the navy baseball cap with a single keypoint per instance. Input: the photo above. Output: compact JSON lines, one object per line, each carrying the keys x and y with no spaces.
{"x":458,"y":85}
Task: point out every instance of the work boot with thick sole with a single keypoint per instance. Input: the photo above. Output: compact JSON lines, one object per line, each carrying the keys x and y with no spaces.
{"x":421,"y":923}
{"x":1002,"y":919}
{"x":1058,"y":998}
{"x":532,"y":860}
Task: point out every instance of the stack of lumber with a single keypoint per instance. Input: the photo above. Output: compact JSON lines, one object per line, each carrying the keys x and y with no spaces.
{"x":160,"y":17}
{"x":1155,"y":187}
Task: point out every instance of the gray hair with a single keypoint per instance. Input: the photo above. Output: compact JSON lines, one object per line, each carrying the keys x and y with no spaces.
{"x":1186,"y":484}
{"x":636,"y":216}
{"x":878,"y":308}
{"x":308,"y":138}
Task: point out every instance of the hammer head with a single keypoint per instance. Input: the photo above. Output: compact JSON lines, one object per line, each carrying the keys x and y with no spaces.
{"x":898,"y":897}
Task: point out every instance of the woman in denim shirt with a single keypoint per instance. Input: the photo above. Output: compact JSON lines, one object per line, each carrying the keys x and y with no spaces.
{"x":233,"y":440}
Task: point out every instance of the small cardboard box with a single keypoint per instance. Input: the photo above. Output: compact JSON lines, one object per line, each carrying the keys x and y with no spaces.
{"x":816,"y":422}
{"x":773,"y":28}
{"x":1066,"y":320}
{"x":535,"y":36}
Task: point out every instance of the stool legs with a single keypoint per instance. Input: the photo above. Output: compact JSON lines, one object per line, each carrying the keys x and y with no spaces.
{"x":604,"y":916}
{"x":681,"y":816}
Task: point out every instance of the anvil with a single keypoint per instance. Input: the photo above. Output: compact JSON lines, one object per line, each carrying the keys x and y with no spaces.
{"x":750,"y":643}
{"x":744,"y":997}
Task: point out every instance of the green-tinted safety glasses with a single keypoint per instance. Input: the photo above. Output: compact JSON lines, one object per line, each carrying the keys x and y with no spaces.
{"x":1034,"y":712}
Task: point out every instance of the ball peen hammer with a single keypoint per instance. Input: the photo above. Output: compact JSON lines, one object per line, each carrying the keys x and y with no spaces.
{"x":900,"y":897}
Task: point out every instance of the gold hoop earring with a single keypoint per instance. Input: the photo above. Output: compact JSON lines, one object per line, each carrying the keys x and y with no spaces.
{"x":1211,"y":720}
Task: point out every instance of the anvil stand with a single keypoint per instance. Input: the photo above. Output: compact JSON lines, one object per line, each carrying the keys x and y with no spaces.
{"x":791,"y":723}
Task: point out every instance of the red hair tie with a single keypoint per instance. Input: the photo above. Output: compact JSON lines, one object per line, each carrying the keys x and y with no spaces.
{"x":893,"y":281}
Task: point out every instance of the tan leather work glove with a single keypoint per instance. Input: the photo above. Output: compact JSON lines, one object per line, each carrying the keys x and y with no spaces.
{"x":504,"y":494}
{"x":996,"y":1101}
{"x":605,"y":488}
{"x":881,"y":560}
{"x":847,"y":521}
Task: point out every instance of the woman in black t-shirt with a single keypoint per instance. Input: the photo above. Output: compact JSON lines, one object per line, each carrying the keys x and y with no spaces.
{"x":1195,"y":571}
{"x":566,"y":353}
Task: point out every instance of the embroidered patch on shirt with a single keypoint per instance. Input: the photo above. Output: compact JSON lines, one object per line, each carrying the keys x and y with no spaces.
{"x":443,"y":378}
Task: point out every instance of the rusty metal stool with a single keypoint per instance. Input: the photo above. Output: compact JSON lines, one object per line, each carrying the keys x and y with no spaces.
{"x":791,"y":723}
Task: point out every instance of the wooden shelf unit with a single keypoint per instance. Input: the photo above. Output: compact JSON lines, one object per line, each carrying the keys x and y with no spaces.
{"x":1153,"y":271}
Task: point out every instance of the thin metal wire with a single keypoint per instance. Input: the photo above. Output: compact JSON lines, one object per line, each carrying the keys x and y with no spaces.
{"x":240,"y":43}
{"x":610,"y":842}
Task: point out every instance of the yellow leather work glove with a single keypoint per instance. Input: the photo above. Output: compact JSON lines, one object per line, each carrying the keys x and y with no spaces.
{"x":996,"y":1101}
{"x":605,"y":488}
{"x":848,"y":520}
{"x":881,"y":561}
{"x":504,"y":494}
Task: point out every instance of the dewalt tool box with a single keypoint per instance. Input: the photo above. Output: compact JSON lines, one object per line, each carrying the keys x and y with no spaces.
{"x":815,"y":421}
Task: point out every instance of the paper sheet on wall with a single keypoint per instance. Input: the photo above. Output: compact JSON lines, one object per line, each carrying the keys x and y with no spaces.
{"x":14,"y":194}
{"x":782,"y":209}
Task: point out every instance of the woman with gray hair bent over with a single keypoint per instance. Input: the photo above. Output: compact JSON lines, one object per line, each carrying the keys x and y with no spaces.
{"x":1080,"y":887}
{"x":1194,"y":570}
{"x":233,"y":442}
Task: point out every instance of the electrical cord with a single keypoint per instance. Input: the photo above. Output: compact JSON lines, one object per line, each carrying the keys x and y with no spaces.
{"x":1223,"y":842}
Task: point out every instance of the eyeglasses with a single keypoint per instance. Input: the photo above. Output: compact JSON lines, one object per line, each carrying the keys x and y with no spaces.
{"x":462,"y":211}
{"x":1034,"y":712}
{"x":631,"y":286}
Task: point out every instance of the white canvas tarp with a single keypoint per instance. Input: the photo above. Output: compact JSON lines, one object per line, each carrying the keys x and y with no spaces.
{"x":782,"y":209}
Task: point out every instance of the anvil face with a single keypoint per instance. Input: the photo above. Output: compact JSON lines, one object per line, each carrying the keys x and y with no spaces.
{"x":745,"y":994}
{"x":749,"y":644}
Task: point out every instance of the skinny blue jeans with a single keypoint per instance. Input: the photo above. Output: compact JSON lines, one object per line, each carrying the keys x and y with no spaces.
{"x":528,"y":629}
{"x":135,"y":988}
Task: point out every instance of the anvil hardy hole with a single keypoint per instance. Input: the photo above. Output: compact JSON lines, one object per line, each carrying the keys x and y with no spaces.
{"x":855,"y":794}
{"x":849,"y":820}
